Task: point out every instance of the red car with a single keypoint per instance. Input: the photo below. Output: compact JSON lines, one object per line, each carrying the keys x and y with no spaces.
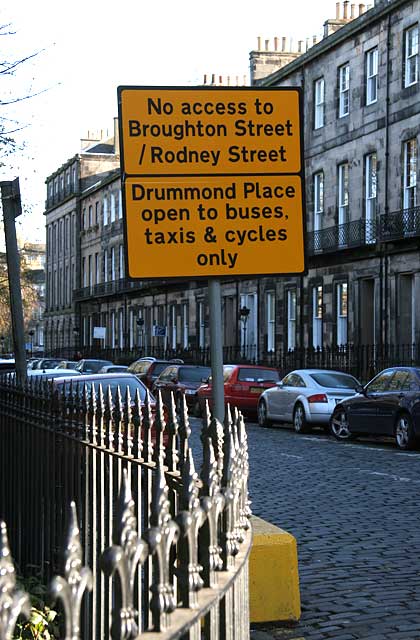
{"x":243,"y":384}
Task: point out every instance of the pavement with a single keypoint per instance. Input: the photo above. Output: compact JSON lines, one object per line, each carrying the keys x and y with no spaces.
{"x":354,"y":509}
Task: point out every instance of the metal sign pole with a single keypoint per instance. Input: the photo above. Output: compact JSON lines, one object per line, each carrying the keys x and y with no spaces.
{"x":10,"y":194}
{"x":216,"y":348}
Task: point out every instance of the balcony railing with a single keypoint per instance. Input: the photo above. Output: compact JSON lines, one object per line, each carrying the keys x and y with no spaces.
{"x":103,"y":289}
{"x":400,"y":224}
{"x":396,"y":225}
{"x":342,"y":236}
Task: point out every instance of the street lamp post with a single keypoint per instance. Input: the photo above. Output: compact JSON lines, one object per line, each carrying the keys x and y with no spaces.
{"x":31,"y":335}
{"x":244,"y":314}
{"x":76,"y":339}
{"x":140,"y":325}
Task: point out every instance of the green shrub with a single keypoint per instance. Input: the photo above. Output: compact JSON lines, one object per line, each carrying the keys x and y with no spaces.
{"x":42,"y":623}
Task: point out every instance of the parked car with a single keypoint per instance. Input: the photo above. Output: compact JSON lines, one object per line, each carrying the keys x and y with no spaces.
{"x":47,"y":363}
{"x":113,"y":368}
{"x":91,"y":366}
{"x":388,"y":405}
{"x":113,"y":381}
{"x":67,"y":364}
{"x":181,"y":379}
{"x":148,"y":369}
{"x":305,"y":397}
{"x":49,"y":374}
{"x":7,"y":365}
{"x":52,"y":373}
{"x":243,"y":385}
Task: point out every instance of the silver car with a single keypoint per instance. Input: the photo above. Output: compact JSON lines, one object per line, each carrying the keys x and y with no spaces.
{"x":305,"y":397}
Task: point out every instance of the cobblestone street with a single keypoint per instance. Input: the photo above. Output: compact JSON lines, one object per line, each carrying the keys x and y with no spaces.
{"x":354,"y":509}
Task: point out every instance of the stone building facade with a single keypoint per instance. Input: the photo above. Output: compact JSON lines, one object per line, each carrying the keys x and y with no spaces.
{"x":361,"y":139}
{"x":65,"y":188}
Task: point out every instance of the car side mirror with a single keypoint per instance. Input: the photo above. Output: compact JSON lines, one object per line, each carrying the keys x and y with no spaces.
{"x":360,"y":389}
{"x":279,"y":384}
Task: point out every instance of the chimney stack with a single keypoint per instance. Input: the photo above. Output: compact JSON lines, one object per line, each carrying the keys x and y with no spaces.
{"x":361,"y":9}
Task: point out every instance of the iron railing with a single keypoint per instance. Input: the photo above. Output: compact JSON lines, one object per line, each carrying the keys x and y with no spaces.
{"x":396,"y":225}
{"x":168,"y":559}
{"x":342,"y":236}
{"x":400,"y":224}
{"x":361,"y":360}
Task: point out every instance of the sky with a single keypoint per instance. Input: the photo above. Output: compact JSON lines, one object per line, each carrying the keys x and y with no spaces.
{"x":86,"y":49}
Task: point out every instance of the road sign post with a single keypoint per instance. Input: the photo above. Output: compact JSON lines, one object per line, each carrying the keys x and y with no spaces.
{"x":212,"y":184}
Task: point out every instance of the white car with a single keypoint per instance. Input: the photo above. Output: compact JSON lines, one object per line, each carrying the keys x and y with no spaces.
{"x":305,"y":397}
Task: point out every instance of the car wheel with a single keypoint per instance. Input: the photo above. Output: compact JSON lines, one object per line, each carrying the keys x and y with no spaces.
{"x":263,"y":421}
{"x":178,"y":404}
{"x":339,"y":425}
{"x":299,"y":419}
{"x":197,"y":413}
{"x":404,"y":432}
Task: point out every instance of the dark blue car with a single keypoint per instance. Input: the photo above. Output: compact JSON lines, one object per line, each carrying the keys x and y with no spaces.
{"x":389,"y":405}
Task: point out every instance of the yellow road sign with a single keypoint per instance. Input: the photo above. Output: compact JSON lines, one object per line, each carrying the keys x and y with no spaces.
{"x":212,"y":181}
{"x":214,"y":226}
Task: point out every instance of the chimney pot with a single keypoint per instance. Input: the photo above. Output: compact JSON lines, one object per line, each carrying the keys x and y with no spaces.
{"x":213,"y":78}
{"x":205,"y":78}
{"x":300,"y":46}
{"x":361,"y":9}
{"x":345,"y":9}
{"x":276,"y":44}
{"x":352,"y":11}
{"x":314,"y":39}
{"x":283,"y":44}
{"x":307,"y":44}
{"x":337,"y":10}
{"x":259,"y":43}
{"x":267,"y":42}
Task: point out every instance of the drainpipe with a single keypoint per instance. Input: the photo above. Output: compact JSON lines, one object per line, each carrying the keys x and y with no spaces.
{"x":385,"y":256}
{"x":302,"y":328}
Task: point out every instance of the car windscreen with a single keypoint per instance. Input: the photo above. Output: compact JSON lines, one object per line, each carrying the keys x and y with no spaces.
{"x":95,"y":365}
{"x":193,"y":374}
{"x":140,"y":366}
{"x":158,"y":368}
{"x":258,"y":375}
{"x":334,"y":380}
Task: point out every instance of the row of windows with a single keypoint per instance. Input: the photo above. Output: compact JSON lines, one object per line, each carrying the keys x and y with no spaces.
{"x":111,"y":210}
{"x":65,"y":182}
{"x":409,"y":186}
{"x":108,"y":268}
{"x":410,"y":78}
{"x":133,"y":334}
{"x":61,"y":237}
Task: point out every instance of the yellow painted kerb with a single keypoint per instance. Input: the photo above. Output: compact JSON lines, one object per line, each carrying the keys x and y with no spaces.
{"x":273,"y":574}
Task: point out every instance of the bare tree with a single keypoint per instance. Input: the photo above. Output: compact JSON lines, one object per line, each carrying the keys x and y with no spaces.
{"x":9,"y":127}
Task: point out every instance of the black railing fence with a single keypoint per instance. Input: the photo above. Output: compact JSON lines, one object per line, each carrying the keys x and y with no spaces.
{"x":153,"y":549}
{"x":361,"y":360}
